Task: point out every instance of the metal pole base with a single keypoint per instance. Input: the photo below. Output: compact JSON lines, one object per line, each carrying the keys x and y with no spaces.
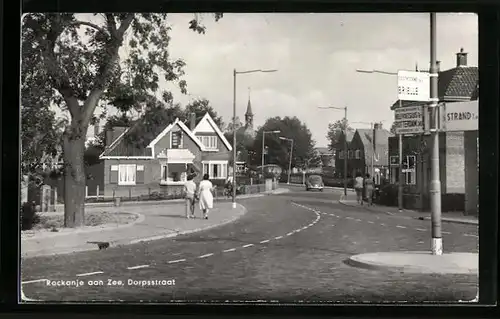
{"x":234,"y":204}
{"x":437,"y":246}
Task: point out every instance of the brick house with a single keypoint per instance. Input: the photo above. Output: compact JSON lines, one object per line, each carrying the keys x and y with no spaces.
{"x":361,"y":151}
{"x":163,"y":165}
{"x":457,"y":150}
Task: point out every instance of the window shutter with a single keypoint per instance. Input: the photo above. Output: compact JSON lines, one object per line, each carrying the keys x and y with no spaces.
{"x":113,"y":174}
{"x":140,"y":174}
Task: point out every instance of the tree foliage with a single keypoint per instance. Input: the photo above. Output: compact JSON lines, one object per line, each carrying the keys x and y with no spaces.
{"x":335,"y":131}
{"x":76,"y":65}
{"x":278,"y":151}
{"x":200,"y":107}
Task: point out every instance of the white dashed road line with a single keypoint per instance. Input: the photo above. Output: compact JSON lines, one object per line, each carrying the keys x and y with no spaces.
{"x":264,"y":241}
{"x":138,"y":267}
{"x":229,"y":250}
{"x":33,"y":281}
{"x":421,"y":229}
{"x":206,"y":255}
{"x":470,"y":235}
{"x":370,"y":222}
{"x":279,"y":237}
{"x":289,"y":234}
{"x":176,"y":261}
{"x":247,"y":245}
{"x":398,"y":226}
{"x":446,"y":232}
{"x":90,"y":273}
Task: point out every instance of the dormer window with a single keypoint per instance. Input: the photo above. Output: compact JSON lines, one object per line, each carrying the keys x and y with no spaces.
{"x":210,"y":142}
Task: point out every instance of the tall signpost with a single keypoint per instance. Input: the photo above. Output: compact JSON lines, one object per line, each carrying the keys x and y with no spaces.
{"x":412,"y":86}
{"x":435,"y":187}
{"x":422,"y":87}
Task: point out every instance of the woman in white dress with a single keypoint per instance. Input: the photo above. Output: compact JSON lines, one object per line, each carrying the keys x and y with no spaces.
{"x":205,"y":195}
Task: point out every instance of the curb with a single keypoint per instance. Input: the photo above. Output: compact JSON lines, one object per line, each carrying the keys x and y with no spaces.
{"x":140,"y":218}
{"x":353,"y":262}
{"x":175,"y":234}
{"x":126,"y":242}
{"x":446,"y":220}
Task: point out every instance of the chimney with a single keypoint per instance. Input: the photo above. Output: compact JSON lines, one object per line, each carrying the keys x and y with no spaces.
{"x":96,"y":128}
{"x":192,"y":121}
{"x":461,"y":58}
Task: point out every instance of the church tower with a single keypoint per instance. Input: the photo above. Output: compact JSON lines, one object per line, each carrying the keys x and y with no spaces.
{"x":249,"y":114}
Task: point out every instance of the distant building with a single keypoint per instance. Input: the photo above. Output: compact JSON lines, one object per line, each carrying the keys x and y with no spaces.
{"x":248,"y":133}
{"x":361,"y":152}
{"x":340,"y":155}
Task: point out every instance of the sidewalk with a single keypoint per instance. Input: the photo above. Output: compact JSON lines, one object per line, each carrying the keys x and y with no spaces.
{"x":155,"y":222}
{"x":418,"y":262}
{"x":450,"y":217}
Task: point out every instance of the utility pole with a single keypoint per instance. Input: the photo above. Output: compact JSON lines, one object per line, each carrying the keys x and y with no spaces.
{"x":234,"y":124}
{"x":400,"y":162}
{"x":345,"y":151}
{"x":435,"y":185}
{"x":234,"y":138}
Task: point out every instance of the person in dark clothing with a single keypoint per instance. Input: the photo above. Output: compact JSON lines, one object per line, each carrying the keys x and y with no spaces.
{"x":369,"y":186}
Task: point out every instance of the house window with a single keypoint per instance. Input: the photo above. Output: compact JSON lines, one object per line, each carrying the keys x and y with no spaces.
{"x":357,"y":154}
{"x":349,"y":154}
{"x":215,"y":170}
{"x":341,"y":155}
{"x":174,"y":173}
{"x":410,"y":170}
{"x":127,"y":174}
{"x":177,"y":139}
{"x":210,"y":142}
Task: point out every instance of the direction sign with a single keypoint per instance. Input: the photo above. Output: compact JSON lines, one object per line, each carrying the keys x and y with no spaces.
{"x":413,"y":86}
{"x":460,"y":116}
{"x":409,"y":120}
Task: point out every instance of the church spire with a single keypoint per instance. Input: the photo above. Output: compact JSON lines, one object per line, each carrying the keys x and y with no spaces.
{"x":249,"y":113}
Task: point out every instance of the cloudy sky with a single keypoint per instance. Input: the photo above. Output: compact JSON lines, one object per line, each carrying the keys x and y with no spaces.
{"x":317,"y":56}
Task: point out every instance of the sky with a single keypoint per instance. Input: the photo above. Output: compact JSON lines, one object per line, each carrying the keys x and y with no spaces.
{"x":316,"y":55}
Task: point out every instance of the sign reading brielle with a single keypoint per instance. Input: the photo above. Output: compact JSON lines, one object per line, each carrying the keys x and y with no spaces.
{"x":460,"y":116}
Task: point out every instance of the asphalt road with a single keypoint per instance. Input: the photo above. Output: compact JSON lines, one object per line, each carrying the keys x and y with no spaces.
{"x":288,"y":247}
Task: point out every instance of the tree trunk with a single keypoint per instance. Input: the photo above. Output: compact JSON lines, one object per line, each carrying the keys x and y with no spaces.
{"x":74,"y":179}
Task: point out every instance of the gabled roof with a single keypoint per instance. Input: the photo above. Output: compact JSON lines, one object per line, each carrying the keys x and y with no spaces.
{"x":183,"y":127}
{"x":133,"y":150}
{"x":457,"y":84}
{"x":381,"y":144}
{"x":212,"y":123}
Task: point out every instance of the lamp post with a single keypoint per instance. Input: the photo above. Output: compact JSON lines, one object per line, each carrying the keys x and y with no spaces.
{"x":345,"y":142}
{"x":234,"y":123}
{"x":263,"y":146}
{"x":400,"y":144}
{"x":291,"y":153}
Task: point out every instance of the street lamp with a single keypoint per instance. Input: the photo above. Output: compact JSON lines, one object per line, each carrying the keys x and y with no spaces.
{"x":345,"y":142}
{"x":234,"y":123}
{"x":400,"y":146}
{"x":263,"y":146}
{"x":291,"y":153}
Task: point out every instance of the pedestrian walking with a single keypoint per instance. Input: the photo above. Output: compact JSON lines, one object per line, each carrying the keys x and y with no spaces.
{"x":358,"y":187}
{"x":369,"y":186}
{"x":205,"y":194}
{"x":190,"y":191}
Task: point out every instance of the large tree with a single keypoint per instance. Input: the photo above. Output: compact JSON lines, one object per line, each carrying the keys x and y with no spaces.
{"x":200,"y":107}
{"x":75,"y":64}
{"x":335,"y":131}
{"x":278,"y":151}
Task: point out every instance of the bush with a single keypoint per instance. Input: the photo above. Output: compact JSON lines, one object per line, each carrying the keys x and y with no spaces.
{"x":29,"y":217}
